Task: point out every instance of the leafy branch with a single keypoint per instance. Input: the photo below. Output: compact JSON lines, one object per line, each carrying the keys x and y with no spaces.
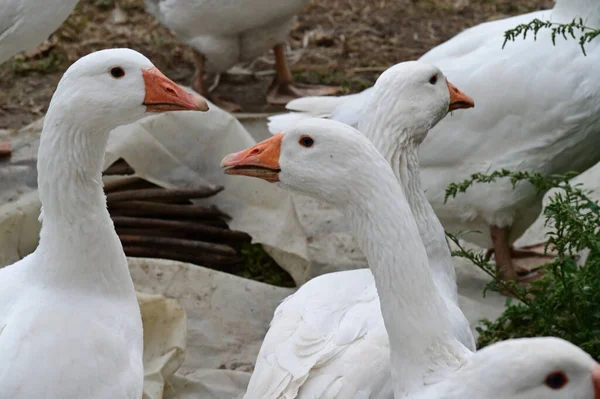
{"x":564,"y":303}
{"x":542,"y":183}
{"x":573,"y":29}
{"x":480,"y":260}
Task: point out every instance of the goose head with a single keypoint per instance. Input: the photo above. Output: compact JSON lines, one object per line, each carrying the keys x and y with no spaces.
{"x":409,"y":99}
{"x":114,"y":87}
{"x":98,"y":93}
{"x":320,"y":158}
{"x":530,"y":368}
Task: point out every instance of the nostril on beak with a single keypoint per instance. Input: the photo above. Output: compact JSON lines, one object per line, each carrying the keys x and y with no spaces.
{"x":255,"y":151}
{"x":169,"y":90}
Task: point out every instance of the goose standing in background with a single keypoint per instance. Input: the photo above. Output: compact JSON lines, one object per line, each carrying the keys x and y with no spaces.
{"x":26,"y":23}
{"x":410,"y":98}
{"x":226,"y":32}
{"x":70,"y":324}
{"x":333,"y":162}
{"x":538,"y":109}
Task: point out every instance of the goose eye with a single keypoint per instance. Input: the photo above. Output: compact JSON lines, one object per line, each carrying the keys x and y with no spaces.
{"x":556,"y":380}
{"x":117,"y":72}
{"x":433,"y":80}
{"x":306,"y":141}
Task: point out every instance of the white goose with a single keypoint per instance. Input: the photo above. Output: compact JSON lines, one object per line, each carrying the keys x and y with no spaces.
{"x":335,"y":163}
{"x":538,"y":109}
{"x":70,"y":324}
{"x":410,"y":98}
{"x":227,"y":32}
{"x":26,"y":23}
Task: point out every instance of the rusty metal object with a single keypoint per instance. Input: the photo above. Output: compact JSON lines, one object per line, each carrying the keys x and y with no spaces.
{"x":120,"y":167}
{"x":216,"y":222}
{"x":155,"y":232}
{"x":152,"y":209}
{"x":204,"y":259}
{"x":156,"y":222}
{"x":168,"y":242}
{"x":163,"y":194}
{"x":129,"y":183}
{"x":204,"y":231}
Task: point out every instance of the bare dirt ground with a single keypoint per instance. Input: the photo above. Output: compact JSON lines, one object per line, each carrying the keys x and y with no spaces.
{"x":341,"y":42}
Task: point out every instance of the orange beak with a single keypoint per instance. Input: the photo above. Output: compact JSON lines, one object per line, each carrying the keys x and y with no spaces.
{"x":162,"y":94}
{"x":261,"y":160}
{"x":458,"y":99}
{"x":596,"y":382}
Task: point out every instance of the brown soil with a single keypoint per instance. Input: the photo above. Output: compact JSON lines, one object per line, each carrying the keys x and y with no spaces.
{"x":349,"y":42}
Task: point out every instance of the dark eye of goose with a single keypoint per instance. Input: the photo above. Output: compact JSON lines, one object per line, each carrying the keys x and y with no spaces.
{"x":433,"y":79}
{"x":306,"y":141}
{"x":117,"y":72}
{"x":556,"y":380}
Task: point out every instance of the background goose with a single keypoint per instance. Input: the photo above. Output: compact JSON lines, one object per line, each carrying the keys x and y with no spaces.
{"x":410,"y":98}
{"x":70,"y":324}
{"x":226,"y":32}
{"x":26,"y":23}
{"x":333,"y":162}
{"x":538,"y":109}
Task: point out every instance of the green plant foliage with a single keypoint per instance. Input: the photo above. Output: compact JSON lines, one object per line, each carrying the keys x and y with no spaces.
{"x":575,"y":30}
{"x":349,"y":84}
{"x":259,"y":266}
{"x":53,"y":62}
{"x":566,"y":302}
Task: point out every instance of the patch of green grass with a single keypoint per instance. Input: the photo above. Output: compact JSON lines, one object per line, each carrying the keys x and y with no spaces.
{"x":104,"y":4}
{"x":431,"y":5}
{"x":259,"y":266}
{"x":348,"y":83}
{"x":53,"y":62}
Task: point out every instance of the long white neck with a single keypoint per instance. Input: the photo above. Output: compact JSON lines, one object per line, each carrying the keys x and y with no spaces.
{"x":566,"y":10}
{"x":78,"y":244}
{"x":415,"y":315}
{"x":404,"y":160}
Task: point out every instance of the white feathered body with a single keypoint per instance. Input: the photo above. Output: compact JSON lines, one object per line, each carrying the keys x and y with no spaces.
{"x":339,"y":344}
{"x":66,"y":343}
{"x":26,"y":23}
{"x":227,"y":32}
{"x":537,"y":108}
{"x":334,"y":328}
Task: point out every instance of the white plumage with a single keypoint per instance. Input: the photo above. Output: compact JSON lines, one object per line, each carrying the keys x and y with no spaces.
{"x":427,"y":361}
{"x":328,"y":340}
{"x":70,"y":323}
{"x":538,"y":109}
{"x":227,"y":32}
{"x":26,"y":23}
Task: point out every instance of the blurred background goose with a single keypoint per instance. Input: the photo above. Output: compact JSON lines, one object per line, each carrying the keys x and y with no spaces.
{"x":538,"y":109}
{"x":26,"y":23}
{"x":226,"y":32}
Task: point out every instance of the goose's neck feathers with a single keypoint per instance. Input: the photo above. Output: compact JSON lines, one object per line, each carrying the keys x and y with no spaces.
{"x":566,"y":10}
{"x":404,"y":159}
{"x":415,"y":314}
{"x":78,"y":244}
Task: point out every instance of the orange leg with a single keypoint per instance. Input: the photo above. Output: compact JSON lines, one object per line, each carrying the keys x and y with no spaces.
{"x":283,"y":89}
{"x":5,"y":149}
{"x":199,"y":86}
{"x":506,"y":265}
{"x":505,"y":268}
